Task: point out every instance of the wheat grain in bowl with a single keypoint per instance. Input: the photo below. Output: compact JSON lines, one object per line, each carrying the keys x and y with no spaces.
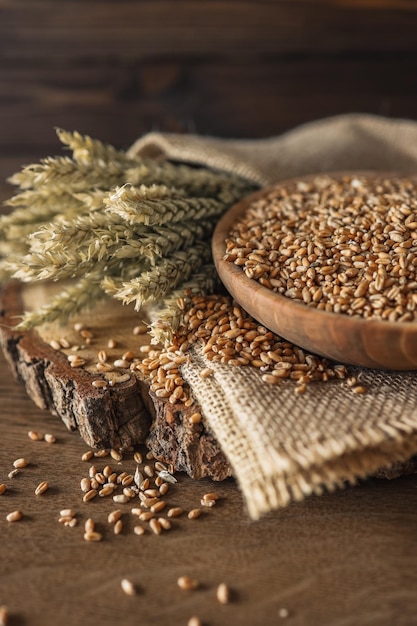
{"x":342,"y":244}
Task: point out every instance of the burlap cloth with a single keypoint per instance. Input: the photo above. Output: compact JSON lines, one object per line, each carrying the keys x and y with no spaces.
{"x":283,"y":446}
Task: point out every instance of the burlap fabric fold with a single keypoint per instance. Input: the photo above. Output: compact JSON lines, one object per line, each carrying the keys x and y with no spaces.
{"x":283,"y":446}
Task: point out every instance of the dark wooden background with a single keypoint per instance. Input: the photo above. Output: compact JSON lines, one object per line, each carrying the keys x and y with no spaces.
{"x":118,"y":68}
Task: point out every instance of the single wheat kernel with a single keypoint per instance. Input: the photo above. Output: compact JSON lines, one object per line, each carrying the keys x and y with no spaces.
{"x":65,"y":519}
{"x":121,"y":476}
{"x":64,"y":343}
{"x":121,"y":499}
{"x":4,"y":615}
{"x":137,"y":457}
{"x":167,"y":476}
{"x":89,"y":495}
{"x":140,"y":330}
{"x":14,"y":516}
{"x":35,"y":436}
{"x":86,"y":334}
{"x":87,"y":456}
{"x":107,"y":490}
{"x":194,"y":514}
{"x":2,"y":488}
{"x":136,"y":511}
{"x":206,"y":372}
{"x":102,"y":356}
{"x":152,"y":493}
{"x":71,"y":522}
{"x":207,"y":503}
{"x":49,"y":438}
{"x":77,"y":362}
{"x":118,"y":527}
{"x":283,"y":613}
{"x":158,"y":481}
{"x":100,"y":478}
{"x":148,"y":502}
{"x":194,"y":621}
{"x":112,"y":343}
{"x":101,"y":454}
{"x":127,"y":480}
{"x":195,"y":418}
{"x":67,"y":513}
{"x":41,"y":488}
{"x":359,"y":389}
{"x":128,"y":587}
{"x":121,"y":363}
{"x":99,"y":383}
{"x":144,"y":485}
{"x":165,"y":523}
{"x":187,"y":583}
{"x":19,"y":463}
{"x":13,"y":473}
{"x":175,"y":512}
{"x":160,"y":466}
{"x":85,"y":484}
{"x":223,"y":593}
{"x":211,"y":496}
{"x":163,"y":489}
{"x":148,"y":470}
{"x":116,"y":455}
{"x":155,"y":526}
{"x":78,"y":326}
{"x":107,"y":470}
{"x":114,"y":516}
{"x":89,"y":525}
{"x":55,"y":345}
{"x":158,"y":507}
{"x":145,"y":516}
{"x":138,"y":530}
{"x":93,"y":536}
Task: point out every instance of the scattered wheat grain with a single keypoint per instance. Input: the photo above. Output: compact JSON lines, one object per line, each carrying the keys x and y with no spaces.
{"x":41,"y":488}
{"x":187,"y":584}
{"x":14,"y":516}
{"x":223,"y":593}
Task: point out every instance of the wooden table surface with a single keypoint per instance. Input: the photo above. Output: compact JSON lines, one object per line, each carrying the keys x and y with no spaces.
{"x":343,"y":559}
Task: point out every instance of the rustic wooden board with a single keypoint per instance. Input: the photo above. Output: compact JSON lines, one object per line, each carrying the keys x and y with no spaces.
{"x":111,"y":417}
{"x":116,"y":70}
{"x":346,"y":557}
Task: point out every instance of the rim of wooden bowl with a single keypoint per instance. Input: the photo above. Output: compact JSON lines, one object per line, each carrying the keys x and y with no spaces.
{"x":353,"y":340}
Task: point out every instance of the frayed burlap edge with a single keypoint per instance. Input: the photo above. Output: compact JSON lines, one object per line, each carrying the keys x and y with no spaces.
{"x":272,"y":461}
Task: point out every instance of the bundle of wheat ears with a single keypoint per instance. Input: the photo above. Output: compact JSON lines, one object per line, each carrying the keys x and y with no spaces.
{"x":135,"y":229}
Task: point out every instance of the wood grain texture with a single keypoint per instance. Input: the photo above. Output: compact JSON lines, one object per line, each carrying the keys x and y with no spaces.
{"x":148,"y":28}
{"x":110,"y":417}
{"x":347,"y":557}
{"x":117,"y":70}
{"x":118,"y":102}
{"x":367,"y":343}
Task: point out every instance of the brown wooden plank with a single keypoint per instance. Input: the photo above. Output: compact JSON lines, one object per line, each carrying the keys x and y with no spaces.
{"x":119,"y":103}
{"x":79,"y":30}
{"x":343,"y":558}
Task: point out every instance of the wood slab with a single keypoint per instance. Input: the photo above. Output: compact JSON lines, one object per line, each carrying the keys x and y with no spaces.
{"x":111,"y":417}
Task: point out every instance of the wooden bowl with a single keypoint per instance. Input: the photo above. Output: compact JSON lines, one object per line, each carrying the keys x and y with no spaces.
{"x":364,"y":342}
